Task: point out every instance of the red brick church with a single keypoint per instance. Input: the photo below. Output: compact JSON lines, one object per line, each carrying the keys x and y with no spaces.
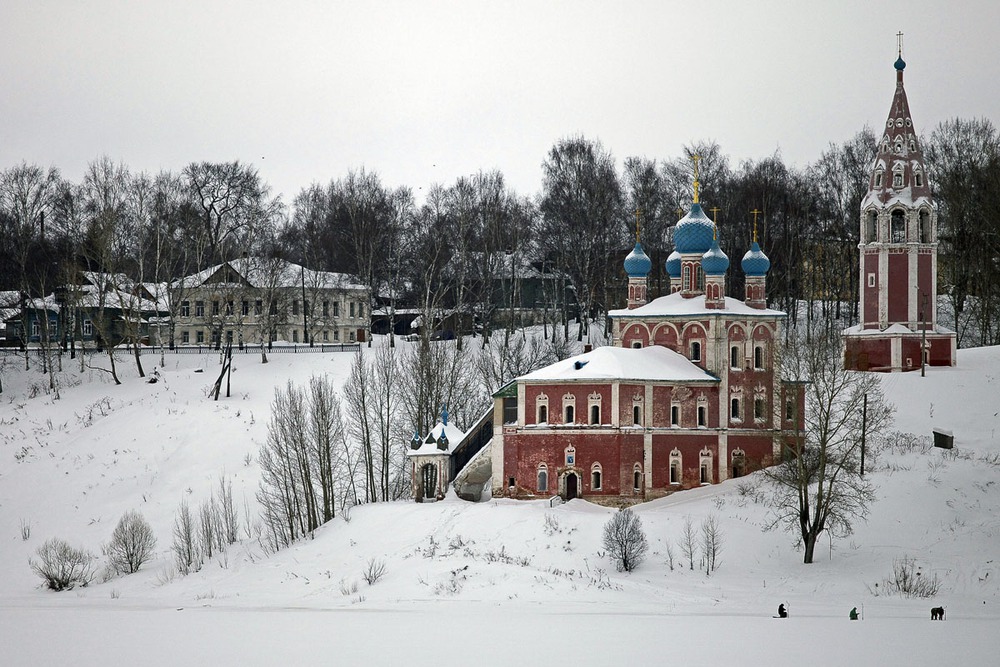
{"x":690,"y":392}
{"x":898,"y":310}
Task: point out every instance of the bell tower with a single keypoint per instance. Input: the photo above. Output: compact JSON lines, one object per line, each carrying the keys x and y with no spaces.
{"x":898,"y":252}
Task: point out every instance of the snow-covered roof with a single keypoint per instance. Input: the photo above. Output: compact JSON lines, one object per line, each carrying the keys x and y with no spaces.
{"x":429,"y":443}
{"x":675,"y":304}
{"x":260,"y":272}
{"x":654,"y":363}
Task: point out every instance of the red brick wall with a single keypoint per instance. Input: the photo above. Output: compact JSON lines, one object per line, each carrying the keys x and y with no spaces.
{"x":899,"y":281}
{"x":871,"y":293}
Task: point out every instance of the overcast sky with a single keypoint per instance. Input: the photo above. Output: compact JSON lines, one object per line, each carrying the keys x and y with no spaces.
{"x":424,"y":92}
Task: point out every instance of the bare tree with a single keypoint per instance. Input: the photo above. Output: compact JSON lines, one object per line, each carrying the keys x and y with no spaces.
{"x":711,"y":542}
{"x":625,"y":541}
{"x":131,"y":545}
{"x":819,"y":485}
{"x":689,"y":542}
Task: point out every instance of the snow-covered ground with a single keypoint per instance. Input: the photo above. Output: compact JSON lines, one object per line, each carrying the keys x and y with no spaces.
{"x":492,"y":583}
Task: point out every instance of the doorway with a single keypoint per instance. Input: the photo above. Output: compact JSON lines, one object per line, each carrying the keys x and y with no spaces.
{"x":572,"y":484}
{"x":429,"y":477}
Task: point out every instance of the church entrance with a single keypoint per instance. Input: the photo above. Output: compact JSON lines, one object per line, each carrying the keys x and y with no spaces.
{"x":571,"y":486}
{"x":429,"y":475}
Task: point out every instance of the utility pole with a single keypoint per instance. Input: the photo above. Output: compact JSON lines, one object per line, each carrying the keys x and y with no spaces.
{"x":864,"y":429}
{"x":923,"y":336}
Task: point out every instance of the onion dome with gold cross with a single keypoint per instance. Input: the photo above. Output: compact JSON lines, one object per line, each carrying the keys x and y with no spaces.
{"x":638,"y":264}
{"x":755,"y":262}
{"x":714,"y":262}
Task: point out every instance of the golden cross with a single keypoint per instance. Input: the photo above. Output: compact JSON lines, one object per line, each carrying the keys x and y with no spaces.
{"x":755,"y":214}
{"x":637,"y":212}
{"x":696,"y":158}
{"x":899,"y":43}
{"x":715,"y":218}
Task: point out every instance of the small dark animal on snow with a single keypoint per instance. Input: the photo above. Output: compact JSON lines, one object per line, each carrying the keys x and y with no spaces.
{"x":937,"y":613}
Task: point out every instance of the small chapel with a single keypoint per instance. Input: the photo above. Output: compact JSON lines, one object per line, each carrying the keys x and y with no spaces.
{"x":689,"y":393}
{"x":898,"y":329}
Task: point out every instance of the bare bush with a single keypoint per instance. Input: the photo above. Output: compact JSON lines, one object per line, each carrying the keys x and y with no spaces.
{"x":187,"y":555}
{"x":711,"y":542}
{"x":689,"y":544}
{"x":131,"y":544}
{"x":625,"y":541}
{"x":908,"y":581}
{"x":61,"y":566}
{"x":374,"y":571}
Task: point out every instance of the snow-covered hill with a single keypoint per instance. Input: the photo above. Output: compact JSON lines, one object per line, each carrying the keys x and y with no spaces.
{"x":506,"y":580}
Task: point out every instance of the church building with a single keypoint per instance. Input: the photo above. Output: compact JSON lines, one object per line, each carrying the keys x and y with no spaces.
{"x":898,"y":327}
{"x":690,"y":392}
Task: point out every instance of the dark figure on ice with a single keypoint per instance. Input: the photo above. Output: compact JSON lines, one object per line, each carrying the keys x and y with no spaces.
{"x":854,"y":614}
{"x":782,"y":612}
{"x":937,"y":613}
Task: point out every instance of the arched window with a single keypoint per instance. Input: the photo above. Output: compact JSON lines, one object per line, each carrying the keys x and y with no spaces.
{"x":636,"y":414}
{"x":594,"y":407}
{"x":702,"y":415}
{"x":871,"y":220}
{"x":734,"y":357}
{"x":759,"y":408}
{"x":695,"y":351}
{"x":897,"y":227}
{"x":675,"y":415}
{"x":734,"y":408}
{"x":637,"y":478}
{"x":739,"y":463}
{"x":758,"y":357}
{"x":542,"y":409}
{"x":897,"y":180}
{"x":705,"y":467}
{"x":878,"y":178}
{"x":569,"y":408}
{"x":675,"y":466}
{"x":543,"y":477}
{"x":595,"y":477}
{"x":925,"y":226}
{"x":569,"y":419}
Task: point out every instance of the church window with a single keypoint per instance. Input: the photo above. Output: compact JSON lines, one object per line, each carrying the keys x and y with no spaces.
{"x":675,"y":466}
{"x":913,"y":145}
{"x":594,"y":407}
{"x":636,"y":414}
{"x":734,"y":357}
{"x":878,"y":179}
{"x":789,"y":409}
{"x":675,"y":415}
{"x":739,"y":463}
{"x":595,"y":477}
{"x":918,"y":179}
{"x":700,"y":280}
{"x":542,"y":409}
{"x":569,"y":408}
{"x":925,"y":226}
{"x":908,"y":122}
{"x":702,"y":415}
{"x":687,"y":278}
{"x":897,"y":227}
{"x":897,"y":180}
{"x":543,"y":477}
{"x":758,"y":409}
{"x":695,"y":351}
{"x":899,"y":146}
{"x":637,"y":478}
{"x":510,"y":410}
{"x":636,"y":344}
{"x":871,"y":280}
{"x":705,"y":467}
{"x":758,"y":357}
{"x":871,"y":220}
{"x":734,"y":409}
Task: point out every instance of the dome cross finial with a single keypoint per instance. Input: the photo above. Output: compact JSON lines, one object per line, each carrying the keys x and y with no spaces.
{"x":715,"y":220}
{"x":637,"y":212}
{"x":899,"y":43}
{"x":755,"y":214}
{"x":696,"y":158}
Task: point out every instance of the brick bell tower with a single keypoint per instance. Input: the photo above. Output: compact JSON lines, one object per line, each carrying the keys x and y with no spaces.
{"x":898,"y":256}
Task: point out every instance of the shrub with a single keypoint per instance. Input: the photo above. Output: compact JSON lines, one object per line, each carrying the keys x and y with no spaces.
{"x":374,"y":571}
{"x":908,"y":581}
{"x":131,"y":544}
{"x":624,"y":540}
{"x":61,"y":566}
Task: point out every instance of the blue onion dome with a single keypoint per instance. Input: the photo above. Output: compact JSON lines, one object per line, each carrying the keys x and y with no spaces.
{"x":638,"y":264}
{"x":755,"y":262}
{"x":714,"y":262}
{"x":900,"y":64}
{"x":694,"y":232}
{"x":673,"y":265}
